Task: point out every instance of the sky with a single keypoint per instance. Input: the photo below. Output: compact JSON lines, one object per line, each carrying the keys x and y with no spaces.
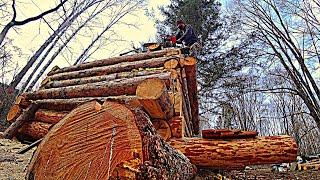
{"x":30,"y":36}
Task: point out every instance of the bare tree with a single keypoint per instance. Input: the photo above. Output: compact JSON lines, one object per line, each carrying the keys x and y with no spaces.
{"x":115,"y":16}
{"x":14,"y":22}
{"x":276,"y":30}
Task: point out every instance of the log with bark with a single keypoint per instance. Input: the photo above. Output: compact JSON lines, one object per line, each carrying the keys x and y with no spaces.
{"x":116,"y":60}
{"x":177,"y":126}
{"x":227,"y":134}
{"x":100,"y":89}
{"x":109,"y":77}
{"x":69,"y":104}
{"x":107,"y":141}
{"x":117,"y":68}
{"x":49,"y":116}
{"x":24,"y":116}
{"x":35,"y":130}
{"x":190,"y":69}
{"x":153,"y":96}
{"x":236,"y":154}
{"x":14,"y":112}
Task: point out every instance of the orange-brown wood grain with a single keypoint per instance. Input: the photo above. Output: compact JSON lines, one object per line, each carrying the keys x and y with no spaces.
{"x":237,"y":153}
{"x":88,"y":144}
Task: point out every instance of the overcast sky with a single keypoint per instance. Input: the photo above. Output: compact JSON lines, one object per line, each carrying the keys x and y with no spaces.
{"x":30,"y":36}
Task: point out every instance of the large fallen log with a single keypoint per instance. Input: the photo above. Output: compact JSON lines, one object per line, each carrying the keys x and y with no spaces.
{"x":100,"y":89}
{"x":153,"y":96}
{"x":107,"y":141}
{"x":236,"y":154}
{"x":109,"y":77}
{"x":122,"y":67}
{"x":116,"y":60}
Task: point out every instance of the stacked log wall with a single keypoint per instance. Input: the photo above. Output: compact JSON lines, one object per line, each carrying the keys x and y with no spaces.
{"x":114,"y":79}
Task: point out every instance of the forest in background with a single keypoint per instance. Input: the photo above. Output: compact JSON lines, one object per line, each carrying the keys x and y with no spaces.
{"x":258,"y":69}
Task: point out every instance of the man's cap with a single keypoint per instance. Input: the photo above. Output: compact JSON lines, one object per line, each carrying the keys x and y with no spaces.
{"x":179,"y":22}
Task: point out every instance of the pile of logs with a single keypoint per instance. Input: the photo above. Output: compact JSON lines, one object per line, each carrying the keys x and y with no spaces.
{"x":131,"y":117}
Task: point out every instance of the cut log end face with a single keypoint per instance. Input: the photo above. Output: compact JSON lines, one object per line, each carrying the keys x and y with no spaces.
{"x":150,"y":89}
{"x":89,"y":143}
{"x":13,"y":113}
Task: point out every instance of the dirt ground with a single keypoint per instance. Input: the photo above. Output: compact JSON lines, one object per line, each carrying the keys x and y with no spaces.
{"x":13,"y":167}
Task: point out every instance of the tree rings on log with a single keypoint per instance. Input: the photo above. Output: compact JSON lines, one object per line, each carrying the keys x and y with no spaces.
{"x":153,"y":96}
{"x":13,"y":113}
{"x":88,"y":143}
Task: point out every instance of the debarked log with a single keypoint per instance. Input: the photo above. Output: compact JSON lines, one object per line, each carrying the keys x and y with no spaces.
{"x":236,"y":154}
{"x":100,"y":89}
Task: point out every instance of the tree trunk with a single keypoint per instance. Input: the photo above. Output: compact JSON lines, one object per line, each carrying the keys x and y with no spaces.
{"x":236,"y":154}
{"x":94,"y":79}
{"x":106,"y":141}
{"x":116,"y":68}
{"x":190,"y":68}
{"x":153,"y":96}
{"x":100,"y":89}
{"x":116,"y":60}
{"x":25,"y":116}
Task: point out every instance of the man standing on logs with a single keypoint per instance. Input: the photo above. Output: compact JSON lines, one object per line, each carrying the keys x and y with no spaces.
{"x":188,"y":35}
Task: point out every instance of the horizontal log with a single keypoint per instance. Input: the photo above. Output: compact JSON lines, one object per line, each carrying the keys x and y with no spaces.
{"x":153,"y":96}
{"x":122,"y":67}
{"x":227,"y":134}
{"x":22,"y":102}
{"x":25,"y":116}
{"x":109,"y":77}
{"x":35,"y":129}
{"x":100,"y":89}
{"x":49,"y":116}
{"x":116,"y":60}
{"x":14,"y":113}
{"x":69,"y":104}
{"x":236,"y":154}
